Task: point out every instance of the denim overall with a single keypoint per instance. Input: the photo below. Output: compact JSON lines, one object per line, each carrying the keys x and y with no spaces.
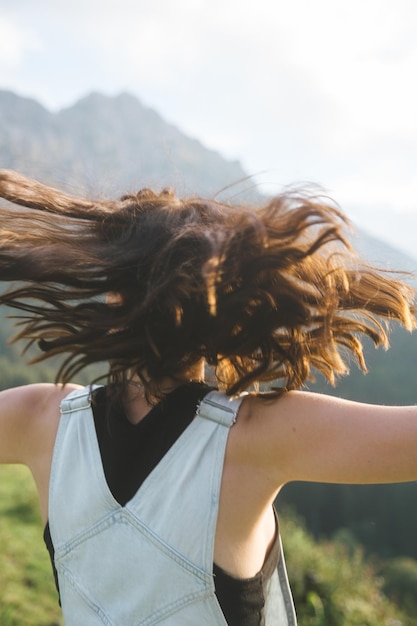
{"x":150,"y":561}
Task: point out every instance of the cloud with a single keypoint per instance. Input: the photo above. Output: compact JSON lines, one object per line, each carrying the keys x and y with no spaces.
{"x":15,"y":43}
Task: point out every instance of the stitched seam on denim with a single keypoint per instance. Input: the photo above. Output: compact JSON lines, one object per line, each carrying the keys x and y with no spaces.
{"x":173,"y":607}
{"x":83,"y":594}
{"x":157,"y":616}
{"x":218,"y":408}
{"x":126,"y":517}
{"x":179,"y":447}
{"x":56,"y":455}
{"x":286,"y":594}
{"x":217,"y":439}
{"x":78,"y":399}
{"x":215,"y":483}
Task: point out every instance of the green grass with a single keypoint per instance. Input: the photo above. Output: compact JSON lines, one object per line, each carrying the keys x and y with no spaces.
{"x":27,"y":591}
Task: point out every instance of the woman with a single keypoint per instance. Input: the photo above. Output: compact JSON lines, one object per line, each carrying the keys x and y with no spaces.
{"x":157,"y":490}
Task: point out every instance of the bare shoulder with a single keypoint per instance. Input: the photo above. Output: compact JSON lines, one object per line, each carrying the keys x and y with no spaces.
{"x":29,"y":417}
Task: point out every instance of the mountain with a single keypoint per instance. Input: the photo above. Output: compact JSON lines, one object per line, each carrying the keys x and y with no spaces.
{"x":383,"y":254}
{"x":111,"y":145}
{"x":108,"y":145}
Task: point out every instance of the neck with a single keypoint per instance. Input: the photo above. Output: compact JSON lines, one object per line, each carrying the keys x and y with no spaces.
{"x":168,"y":384}
{"x":136,"y":404}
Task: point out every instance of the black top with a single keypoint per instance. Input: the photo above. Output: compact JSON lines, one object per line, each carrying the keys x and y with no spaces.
{"x":130,"y":452}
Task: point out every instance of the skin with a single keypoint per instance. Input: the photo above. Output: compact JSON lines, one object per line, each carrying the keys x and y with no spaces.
{"x":301,"y":436}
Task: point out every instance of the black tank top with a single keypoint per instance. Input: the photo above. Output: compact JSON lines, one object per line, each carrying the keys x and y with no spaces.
{"x":129,"y":452}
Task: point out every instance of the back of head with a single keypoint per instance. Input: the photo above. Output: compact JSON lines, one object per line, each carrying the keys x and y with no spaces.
{"x":259,"y":293}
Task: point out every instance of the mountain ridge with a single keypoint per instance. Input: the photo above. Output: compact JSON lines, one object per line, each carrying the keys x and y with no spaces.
{"x":108,"y":145}
{"x":103,"y":143}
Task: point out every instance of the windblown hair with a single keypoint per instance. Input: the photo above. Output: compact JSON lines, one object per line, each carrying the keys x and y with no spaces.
{"x":261,"y":294}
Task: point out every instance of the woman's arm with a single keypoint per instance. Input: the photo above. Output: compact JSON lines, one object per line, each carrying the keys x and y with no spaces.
{"x":29,"y":417}
{"x":318,"y":438}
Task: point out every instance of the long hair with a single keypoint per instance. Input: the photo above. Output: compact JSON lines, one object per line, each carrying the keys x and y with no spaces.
{"x":260,"y":293}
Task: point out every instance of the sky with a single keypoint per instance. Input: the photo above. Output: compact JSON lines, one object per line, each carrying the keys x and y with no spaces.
{"x":299,"y":91}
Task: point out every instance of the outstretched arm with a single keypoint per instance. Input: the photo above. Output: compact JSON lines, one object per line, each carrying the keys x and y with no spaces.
{"x":318,"y":438}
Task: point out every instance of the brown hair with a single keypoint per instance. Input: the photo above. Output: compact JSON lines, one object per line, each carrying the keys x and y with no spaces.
{"x":261,"y":294}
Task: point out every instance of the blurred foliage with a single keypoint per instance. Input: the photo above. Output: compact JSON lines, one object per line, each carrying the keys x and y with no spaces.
{"x":333,"y":584}
{"x":391,"y":374}
{"x":400,"y":583}
{"x":15,"y":367}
